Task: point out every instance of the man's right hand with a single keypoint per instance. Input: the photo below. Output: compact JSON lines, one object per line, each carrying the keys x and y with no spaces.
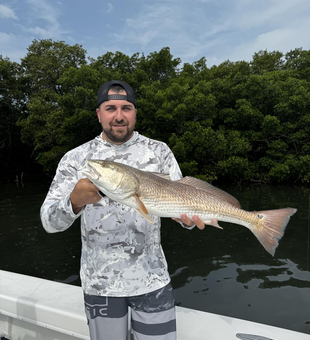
{"x":84,"y":192}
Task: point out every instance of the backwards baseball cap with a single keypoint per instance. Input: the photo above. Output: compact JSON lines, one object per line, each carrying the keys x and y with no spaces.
{"x":104,"y":89}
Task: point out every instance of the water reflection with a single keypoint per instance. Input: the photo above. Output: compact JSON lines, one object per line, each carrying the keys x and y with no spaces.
{"x":285,"y":274}
{"x":277,"y":295}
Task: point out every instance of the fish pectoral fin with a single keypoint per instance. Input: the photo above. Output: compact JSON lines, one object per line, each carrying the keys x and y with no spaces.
{"x":141,"y":209}
{"x":146,"y":216}
{"x":140,"y":204}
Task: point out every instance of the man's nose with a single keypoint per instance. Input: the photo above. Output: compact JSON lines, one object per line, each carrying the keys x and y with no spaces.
{"x":119,"y":114}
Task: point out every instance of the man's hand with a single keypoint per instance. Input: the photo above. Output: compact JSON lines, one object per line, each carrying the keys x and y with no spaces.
{"x":190,"y":222}
{"x":84,"y":192}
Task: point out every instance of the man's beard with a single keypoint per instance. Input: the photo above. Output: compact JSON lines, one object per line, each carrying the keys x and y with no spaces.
{"x":118,"y":136}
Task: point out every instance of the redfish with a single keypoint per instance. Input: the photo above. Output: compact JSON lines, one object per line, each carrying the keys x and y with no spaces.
{"x":155,"y":194}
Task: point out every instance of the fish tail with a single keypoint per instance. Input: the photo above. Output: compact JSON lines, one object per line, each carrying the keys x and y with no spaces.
{"x":272,"y":229}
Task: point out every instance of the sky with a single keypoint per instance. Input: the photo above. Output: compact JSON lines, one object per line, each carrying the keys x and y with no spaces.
{"x":218,"y":30}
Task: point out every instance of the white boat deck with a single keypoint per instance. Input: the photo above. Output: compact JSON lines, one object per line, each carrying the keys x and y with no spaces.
{"x":32,"y":308}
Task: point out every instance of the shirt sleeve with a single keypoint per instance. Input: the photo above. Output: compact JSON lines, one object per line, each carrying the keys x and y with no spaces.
{"x":56,"y":212}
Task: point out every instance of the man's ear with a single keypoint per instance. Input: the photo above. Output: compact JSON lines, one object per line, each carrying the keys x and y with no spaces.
{"x":98,"y":115}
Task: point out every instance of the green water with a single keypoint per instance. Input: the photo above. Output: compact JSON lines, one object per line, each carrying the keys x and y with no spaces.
{"x":220,"y":271}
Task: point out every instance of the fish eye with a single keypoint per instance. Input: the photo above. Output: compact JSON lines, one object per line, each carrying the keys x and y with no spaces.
{"x":260,"y":216}
{"x":103,"y":165}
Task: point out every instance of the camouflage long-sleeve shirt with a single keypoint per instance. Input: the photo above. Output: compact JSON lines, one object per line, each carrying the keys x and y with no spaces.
{"x":121,"y":251}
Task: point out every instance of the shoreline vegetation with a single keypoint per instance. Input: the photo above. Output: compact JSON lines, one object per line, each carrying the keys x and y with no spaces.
{"x":235,"y":122}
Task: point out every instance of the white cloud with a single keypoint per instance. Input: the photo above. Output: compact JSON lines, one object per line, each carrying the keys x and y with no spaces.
{"x":50,"y":27}
{"x":153,"y":24}
{"x":45,"y":11}
{"x":6,"y":38}
{"x":39,"y":20}
{"x":7,"y":12}
{"x":281,"y":39}
{"x":13,"y":46}
{"x":39,"y":32}
{"x":276,"y":12}
{"x":190,"y":32}
{"x":110,"y":8}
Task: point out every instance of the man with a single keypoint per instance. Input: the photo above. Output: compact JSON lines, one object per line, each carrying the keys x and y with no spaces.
{"x":122,"y":262}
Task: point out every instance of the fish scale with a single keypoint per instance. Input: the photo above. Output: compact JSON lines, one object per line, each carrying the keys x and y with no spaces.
{"x":189,"y":201}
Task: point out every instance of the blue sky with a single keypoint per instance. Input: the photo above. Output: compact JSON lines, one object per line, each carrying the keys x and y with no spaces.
{"x":215,"y":29}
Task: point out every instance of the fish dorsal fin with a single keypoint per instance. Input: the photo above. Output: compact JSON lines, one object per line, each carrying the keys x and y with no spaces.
{"x":164,"y":176}
{"x":141,"y":209}
{"x":209,"y":188}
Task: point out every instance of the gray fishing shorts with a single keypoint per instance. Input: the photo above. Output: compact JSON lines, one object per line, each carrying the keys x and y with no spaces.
{"x":152,"y":316}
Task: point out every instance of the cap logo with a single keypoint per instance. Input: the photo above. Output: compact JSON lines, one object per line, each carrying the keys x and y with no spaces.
{"x":117,"y":97}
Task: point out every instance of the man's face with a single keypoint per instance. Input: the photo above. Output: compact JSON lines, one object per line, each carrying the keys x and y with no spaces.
{"x":118,"y":119}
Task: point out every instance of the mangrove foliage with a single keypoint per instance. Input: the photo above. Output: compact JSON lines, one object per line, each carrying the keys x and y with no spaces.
{"x":238,"y":121}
